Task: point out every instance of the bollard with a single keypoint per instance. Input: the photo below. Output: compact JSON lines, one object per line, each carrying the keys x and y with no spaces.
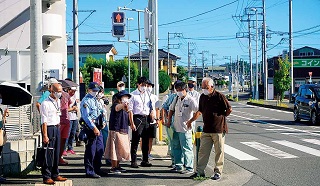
{"x":198,"y":135}
{"x":160,"y":130}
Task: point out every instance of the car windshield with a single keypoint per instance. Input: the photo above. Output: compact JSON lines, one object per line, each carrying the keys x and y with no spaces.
{"x":317,"y":92}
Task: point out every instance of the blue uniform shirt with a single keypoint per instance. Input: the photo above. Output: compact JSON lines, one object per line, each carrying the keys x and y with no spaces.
{"x":89,"y":108}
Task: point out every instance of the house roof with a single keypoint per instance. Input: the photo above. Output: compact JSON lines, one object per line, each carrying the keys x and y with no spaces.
{"x":93,"y":49}
{"x":162,"y":54}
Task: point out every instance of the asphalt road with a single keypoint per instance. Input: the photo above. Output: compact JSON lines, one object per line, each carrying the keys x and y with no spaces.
{"x":266,"y":147}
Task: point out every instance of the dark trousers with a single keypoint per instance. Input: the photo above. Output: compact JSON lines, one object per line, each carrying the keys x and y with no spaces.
{"x":54,"y":142}
{"x":73,"y":128}
{"x":93,"y":155}
{"x":141,"y":132}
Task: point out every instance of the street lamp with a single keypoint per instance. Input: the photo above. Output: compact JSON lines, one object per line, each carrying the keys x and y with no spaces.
{"x":128,"y":19}
{"x":257,"y":66}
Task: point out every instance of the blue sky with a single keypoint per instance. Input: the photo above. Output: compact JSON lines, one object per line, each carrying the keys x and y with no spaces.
{"x":214,"y":32}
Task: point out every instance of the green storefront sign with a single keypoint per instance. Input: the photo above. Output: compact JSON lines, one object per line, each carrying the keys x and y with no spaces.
{"x":304,"y":63}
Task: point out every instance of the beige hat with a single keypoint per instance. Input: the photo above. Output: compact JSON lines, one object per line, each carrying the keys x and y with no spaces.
{"x":52,"y":81}
{"x":120,"y":83}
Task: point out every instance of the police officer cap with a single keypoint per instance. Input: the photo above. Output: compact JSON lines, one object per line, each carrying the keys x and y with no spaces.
{"x":150,"y":83}
{"x":94,"y":86}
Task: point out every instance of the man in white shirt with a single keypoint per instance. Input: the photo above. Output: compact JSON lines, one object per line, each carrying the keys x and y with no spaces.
{"x":183,"y":108}
{"x":50,"y":120}
{"x":140,"y":115}
{"x":192,"y":83}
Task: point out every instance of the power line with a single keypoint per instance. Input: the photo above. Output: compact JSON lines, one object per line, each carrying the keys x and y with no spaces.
{"x":198,"y":14}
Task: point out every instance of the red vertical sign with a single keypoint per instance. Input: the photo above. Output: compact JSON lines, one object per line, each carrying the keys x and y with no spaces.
{"x":97,"y":75}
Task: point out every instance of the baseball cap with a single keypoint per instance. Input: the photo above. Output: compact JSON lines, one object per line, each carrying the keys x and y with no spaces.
{"x":149,"y":83}
{"x":192,"y":79}
{"x":73,"y":88}
{"x":94,"y":86}
{"x":53,"y":81}
{"x":120,"y":84}
{"x":123,"y":93}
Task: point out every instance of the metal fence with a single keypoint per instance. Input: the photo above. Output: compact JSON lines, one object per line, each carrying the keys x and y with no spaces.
{"x":23,"y":122}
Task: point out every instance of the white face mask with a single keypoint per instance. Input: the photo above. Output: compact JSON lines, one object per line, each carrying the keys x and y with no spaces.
{"x":100,"y":95}
{"x":142,"y":88}
{"x":121,"y":88}
{"x":94,"y":94}
{"x":180,"y":94}
{"x":58,"y":95}
{"x":125,"y":100}
{"x":149,"y":89}
{"x":0,"y":100}
{"x":205,"y":91}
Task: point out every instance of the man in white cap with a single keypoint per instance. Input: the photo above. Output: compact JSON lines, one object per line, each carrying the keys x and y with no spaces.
{"x":46,"y":94}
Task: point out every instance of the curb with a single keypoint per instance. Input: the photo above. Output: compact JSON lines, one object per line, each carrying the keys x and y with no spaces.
{"x":270,"y":106}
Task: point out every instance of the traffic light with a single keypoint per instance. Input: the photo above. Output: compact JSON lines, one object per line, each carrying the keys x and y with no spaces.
{"x":118,"y":24}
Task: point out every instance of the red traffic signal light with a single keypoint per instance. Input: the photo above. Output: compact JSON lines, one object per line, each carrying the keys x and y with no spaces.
{"x":118,"y":17}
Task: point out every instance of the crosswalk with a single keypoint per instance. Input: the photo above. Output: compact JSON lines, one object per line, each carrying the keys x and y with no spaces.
{"x":273,"y":151}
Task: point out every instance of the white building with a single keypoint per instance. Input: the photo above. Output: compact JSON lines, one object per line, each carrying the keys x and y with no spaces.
{"x":15,"y":40}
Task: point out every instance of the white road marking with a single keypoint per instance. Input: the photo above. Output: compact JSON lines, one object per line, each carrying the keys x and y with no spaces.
{"x":313,"y":141}
{"x":279,"y":126}
{"x":269,"y":150}
{"x":238,"y":153}
{"x":279,"y":129}
{"x":299,"y":134}
{"x":299,"y":147}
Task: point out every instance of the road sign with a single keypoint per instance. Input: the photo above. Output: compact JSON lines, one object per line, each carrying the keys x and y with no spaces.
{"x":118,"y":24}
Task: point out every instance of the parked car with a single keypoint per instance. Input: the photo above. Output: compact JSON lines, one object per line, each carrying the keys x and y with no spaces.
{"x":307,"y":103}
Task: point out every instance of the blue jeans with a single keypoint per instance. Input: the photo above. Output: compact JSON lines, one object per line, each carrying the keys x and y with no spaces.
{"x":73,"y":128}
{"x":182,"y":149}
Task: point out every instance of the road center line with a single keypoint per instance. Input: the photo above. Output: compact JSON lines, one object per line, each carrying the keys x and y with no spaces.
{"x":269,"y":150}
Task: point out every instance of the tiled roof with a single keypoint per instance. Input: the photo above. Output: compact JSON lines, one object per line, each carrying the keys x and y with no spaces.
{"x":161,"y":55}
{"x":91,"y":49}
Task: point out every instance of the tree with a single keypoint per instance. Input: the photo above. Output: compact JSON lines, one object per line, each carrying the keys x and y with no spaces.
{"x":87,"y":69}
{"x":182,"y":73}
{"x":112,"y":71}
{"x":282,"y":79}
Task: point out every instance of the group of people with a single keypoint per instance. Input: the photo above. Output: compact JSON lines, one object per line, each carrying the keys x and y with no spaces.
{"x":180,"y":110}
{"x":141,"y":111}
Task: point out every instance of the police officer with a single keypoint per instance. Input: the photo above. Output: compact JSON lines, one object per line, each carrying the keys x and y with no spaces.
{"x":90,"y":113}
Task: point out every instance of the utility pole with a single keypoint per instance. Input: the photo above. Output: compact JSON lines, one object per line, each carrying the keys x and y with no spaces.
{"x":75,"y":43}
{"x":140,"y":53}
{"x":291,"y":48}
{"x":128,"y":32}
{"x":168,"y":54}
{"x":212,"y":65}
{"x":257,"y":65}
{"x":189,"y":62}
{"x":203,"y":60}
{"x":35,"y":47}
{"x":265,"y":57}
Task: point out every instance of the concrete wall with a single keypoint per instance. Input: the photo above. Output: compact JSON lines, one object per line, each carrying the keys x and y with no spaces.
{"x":18,"y":156}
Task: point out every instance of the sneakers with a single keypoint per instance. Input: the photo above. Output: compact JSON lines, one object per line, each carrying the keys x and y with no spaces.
{"x":59,"y":178}
{"x":145,"y":164}
{"x":187,"y":171}
{"x":62,"y":162}
{"x":93,"y":176}
{"x":115,"y":170}
{"x":121,"y":169}
{"x":71,"y":152}
{"x":196,"y":175}
{"x":150,"y":157}
{"x":216,"y":176}
{"x":64,"y":153}
{"x":175,"y":169}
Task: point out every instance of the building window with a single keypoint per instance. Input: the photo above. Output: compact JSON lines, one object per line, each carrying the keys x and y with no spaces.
{"x":302,"y":54}
{"x":310,"y":54}
{"x":111,"y":58}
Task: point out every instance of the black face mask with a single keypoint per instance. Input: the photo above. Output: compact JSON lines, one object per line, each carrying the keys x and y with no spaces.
{"x":190,"y":85}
